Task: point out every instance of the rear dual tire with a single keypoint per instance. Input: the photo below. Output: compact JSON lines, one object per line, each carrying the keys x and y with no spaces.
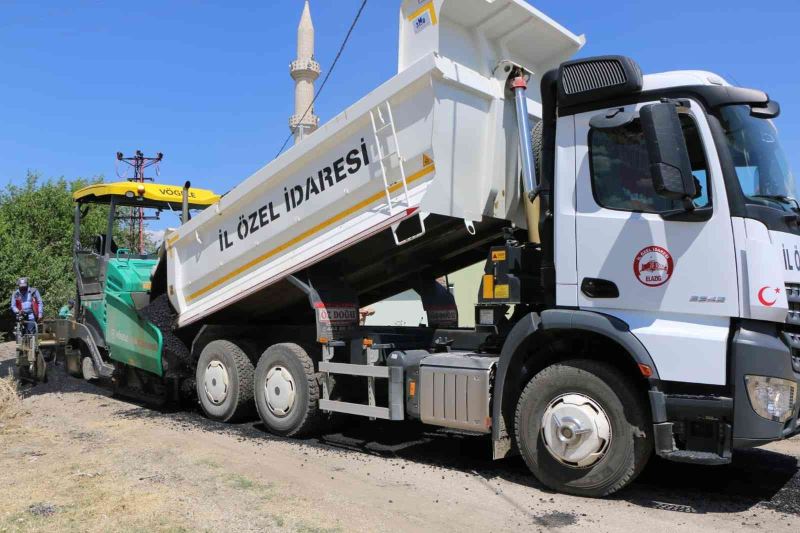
{"x":224,"y":381}
{"x":287,"y":391}
{"x":283,"y":387}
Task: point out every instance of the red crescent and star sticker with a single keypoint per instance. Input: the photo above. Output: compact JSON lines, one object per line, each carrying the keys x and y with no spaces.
{"x":763,"y":295}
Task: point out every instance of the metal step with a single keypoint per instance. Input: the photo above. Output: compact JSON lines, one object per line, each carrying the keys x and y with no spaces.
{"x":354,"y":370}
{"x":355,"y":409}
{"x":384,"y":127}
{"x":388,"y":156}
{"x":703,"y":458}
{"x":394,"y":377}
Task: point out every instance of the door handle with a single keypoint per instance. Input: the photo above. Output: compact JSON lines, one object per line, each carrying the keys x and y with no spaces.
{"x":599,"y":288}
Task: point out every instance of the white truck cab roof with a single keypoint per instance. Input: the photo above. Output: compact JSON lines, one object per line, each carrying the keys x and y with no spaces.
{"x":680,"y":78}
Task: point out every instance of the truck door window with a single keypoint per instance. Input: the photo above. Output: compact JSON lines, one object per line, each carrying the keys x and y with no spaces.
{"x":620,"y":169}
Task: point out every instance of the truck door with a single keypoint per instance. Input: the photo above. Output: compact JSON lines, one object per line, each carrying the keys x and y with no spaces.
{"x":669,"y":273}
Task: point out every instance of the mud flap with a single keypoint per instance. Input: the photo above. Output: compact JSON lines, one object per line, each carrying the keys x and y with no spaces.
{"x":335,"y":305}
{"x":439,"y":304}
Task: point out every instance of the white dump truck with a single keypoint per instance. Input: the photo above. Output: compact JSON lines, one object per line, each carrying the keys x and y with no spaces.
{"x":641,"y":290}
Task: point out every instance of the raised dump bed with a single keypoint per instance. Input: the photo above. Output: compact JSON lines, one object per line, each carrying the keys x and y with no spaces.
{"x":404,"y":183}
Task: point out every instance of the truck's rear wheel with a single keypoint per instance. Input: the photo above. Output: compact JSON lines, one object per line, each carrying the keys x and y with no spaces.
{"x":286,"y":390}
{"x":581,"y":428}
{"x":224,"y":379}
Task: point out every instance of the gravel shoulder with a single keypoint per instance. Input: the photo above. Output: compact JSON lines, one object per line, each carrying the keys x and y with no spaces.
{"x":80,"y":460}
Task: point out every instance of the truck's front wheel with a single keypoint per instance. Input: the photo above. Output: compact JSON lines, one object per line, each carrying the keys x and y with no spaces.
{"x":224,"y":380}
{"x":287,"y":391}
{"x":581,"y":428}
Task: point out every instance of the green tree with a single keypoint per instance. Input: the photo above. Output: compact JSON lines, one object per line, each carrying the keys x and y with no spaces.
{"x":36,"y":232}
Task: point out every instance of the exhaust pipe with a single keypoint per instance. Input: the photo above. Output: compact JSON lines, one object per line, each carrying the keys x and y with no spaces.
{"x":185,"y":216}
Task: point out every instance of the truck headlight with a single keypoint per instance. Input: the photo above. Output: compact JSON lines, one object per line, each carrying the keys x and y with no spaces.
{"x":771,"y":398}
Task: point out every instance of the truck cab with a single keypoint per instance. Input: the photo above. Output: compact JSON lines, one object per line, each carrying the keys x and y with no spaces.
{"x":683,"y":232}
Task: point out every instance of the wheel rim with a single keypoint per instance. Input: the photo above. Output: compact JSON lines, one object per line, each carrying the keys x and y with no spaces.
{"x":280,"y":391}
{"x":215,"y":382}
{"x":87,"y":368}
{"x":576,"y":430}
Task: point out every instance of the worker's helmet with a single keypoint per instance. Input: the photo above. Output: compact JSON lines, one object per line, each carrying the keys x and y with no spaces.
{"x":71,"y":302}
{"x":22,"y":283}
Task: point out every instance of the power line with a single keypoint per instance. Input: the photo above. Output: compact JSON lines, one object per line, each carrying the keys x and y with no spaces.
{"x":325,"y":79}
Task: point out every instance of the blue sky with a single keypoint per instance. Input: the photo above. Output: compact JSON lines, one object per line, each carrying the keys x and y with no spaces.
{"x":207,"y":83}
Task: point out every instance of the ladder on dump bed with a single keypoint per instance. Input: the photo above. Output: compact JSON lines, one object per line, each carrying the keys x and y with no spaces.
{"x":383,"y":122}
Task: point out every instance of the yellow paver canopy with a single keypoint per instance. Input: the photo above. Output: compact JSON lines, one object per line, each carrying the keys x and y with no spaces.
{"x":154,"y":195}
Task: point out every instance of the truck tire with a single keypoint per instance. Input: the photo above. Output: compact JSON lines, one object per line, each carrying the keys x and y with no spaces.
{"x":224,"y":381}
{"x":581,"y":428}
{"x":287,"y":390}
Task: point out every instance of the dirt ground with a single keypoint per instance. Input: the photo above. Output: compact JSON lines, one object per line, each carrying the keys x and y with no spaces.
{"x":80,"y":460}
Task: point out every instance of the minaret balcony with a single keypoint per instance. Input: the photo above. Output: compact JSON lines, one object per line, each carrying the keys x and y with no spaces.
{"x":309,"y":120}
{"x":304,"y":68}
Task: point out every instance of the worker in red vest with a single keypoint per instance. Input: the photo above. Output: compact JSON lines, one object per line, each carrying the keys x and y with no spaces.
{"x":27,"y":304}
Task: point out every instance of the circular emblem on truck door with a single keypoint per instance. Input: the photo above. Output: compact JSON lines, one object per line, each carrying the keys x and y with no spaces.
{"x":653,"y":266}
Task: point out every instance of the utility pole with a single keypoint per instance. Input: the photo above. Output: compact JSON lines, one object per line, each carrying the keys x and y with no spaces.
{"x":139,"y":162}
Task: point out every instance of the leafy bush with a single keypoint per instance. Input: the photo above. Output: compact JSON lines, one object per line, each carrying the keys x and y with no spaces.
{"x":36,"y":233}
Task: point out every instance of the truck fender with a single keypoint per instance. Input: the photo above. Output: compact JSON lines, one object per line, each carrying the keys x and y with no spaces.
{"x":606,"y":325}
{"x":523,"y":333}
{"x":212,"y":332}
{"x":245,"y":337}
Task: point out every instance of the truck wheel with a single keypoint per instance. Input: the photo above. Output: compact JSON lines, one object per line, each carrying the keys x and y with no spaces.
{"x":581,"y":428}
{"x":286,"y":390}
{"x":224,"y":381}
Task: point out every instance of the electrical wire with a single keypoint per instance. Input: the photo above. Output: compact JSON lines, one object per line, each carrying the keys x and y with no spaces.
{"x":325,"y":79}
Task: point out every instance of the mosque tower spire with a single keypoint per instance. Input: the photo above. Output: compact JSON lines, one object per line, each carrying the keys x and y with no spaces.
{"x":304,"y":70}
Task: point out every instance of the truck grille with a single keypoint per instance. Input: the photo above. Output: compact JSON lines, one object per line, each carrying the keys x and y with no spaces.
{"x":793,"y":341}
{"x":791,"y":335}
{"x":793,"y":295}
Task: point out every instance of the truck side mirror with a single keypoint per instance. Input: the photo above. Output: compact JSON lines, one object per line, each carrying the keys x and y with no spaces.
{"x":670,"y":166}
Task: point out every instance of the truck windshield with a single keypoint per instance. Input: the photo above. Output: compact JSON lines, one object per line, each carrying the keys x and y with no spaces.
{"x":761,"y":165}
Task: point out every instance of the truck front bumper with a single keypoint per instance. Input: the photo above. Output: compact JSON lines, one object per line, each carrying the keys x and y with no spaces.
{"x":704,"y":428}
{"x":763,"y":349}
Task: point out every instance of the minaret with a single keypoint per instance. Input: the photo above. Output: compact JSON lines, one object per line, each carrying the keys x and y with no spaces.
{"x":304,"y":70}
